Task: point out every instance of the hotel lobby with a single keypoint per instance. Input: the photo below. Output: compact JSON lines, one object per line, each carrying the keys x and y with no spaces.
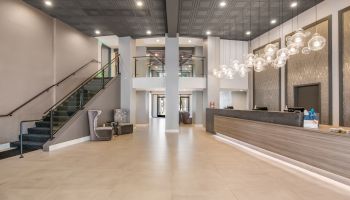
{"x":175,"y":99}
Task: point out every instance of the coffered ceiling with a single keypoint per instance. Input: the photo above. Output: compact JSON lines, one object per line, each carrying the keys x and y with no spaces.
{"x":187,"y":17}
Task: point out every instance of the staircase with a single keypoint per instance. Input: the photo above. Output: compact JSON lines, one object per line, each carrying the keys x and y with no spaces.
{"x":61,"y":114}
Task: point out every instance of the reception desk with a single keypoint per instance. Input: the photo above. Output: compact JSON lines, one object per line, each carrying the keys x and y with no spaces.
{"x":282,"y":134}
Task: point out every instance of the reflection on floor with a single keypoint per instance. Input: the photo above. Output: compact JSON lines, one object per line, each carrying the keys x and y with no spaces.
{"x":151,"y":164}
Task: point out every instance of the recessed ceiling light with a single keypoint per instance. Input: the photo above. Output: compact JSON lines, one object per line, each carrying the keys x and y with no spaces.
{"x":156,"y":54}
{"x":189,"y":41}
{"x":223,"y":4}
{"x":273,"y":21}
{"x":208,"y":33}
{"x":48,"y":3}
{"x":294,"y":4}
{"x":158,"y":40}
{"x":97,"y":32}
{"x":248,"y":33}
{"x":149,"y":32}
{"x":139,"y":3}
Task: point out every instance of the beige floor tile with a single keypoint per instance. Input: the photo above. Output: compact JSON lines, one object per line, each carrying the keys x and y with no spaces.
{"x":152,"y":164}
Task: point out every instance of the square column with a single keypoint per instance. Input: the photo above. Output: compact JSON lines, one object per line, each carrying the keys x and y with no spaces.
{"x":127,"y":51}
{"x":212,"y":51}
{"x":172,"y":84}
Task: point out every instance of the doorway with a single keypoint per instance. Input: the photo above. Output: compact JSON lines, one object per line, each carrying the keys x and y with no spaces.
{"x":161,"y":109}
{"x":106,"y":58}
{"x":184,"y":104}
{"x":308,"y":96}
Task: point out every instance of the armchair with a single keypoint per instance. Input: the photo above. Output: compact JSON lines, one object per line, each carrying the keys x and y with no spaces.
{"x":98,"y":133}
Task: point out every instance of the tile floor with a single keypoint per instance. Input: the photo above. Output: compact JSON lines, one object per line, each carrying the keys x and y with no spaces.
{"x":153,"y":165}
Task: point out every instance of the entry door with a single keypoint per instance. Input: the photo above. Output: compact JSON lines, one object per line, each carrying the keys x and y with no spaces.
{"x":185,"y":104}
{"x":308,"y":96}
{"x":161,"y":111}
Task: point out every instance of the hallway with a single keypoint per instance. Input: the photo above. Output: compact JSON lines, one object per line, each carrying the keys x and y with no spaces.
{"x":151,"y":164}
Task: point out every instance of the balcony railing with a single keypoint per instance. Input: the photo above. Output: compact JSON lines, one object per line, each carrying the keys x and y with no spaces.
{"x":152,"y":66}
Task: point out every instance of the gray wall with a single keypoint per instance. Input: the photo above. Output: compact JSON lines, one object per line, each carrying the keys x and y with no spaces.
{"x":35,"y":52}
{"x":239,"y":100}
{"x":197,"y":107}
{"x":309,"y":69}
{"x":346,"y":70}
{"x":106,"y":100}
{"x":142,"y":107}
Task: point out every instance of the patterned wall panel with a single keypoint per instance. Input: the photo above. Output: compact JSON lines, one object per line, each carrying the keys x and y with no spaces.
{"x":267,"y":86}
{"x":346,"y":69}
{"x":309,"y":69}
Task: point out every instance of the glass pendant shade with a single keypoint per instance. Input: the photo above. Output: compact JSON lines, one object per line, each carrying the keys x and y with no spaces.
{"x":243,"y":71}
{"x":279,"y":63}
{"x":269,"y":58}
{"x":299,"y":37}
{"x":306,"y":50}
{"x":249,"y":62}
{"x":293,"y":49}
{"x":215,"y":72}
{"x":235,"y":65}
{"x":270,"y":49}
{"x":317,"y":42}
{"x":259,"y":64}
{"x":283,"y":54}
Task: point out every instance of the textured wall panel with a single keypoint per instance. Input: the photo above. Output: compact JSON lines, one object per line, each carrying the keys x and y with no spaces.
{"x":346,"y":68}
{"x":308,"y":69}
{"x":267,"y":86}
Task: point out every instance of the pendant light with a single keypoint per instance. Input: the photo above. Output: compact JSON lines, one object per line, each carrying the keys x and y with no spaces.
{"x":317,"y":42}
{"x":259,"y":62}
{"x":250,"y":58}
{"x":270,"y":49}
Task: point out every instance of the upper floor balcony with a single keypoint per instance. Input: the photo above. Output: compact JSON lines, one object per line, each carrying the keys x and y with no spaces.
{"x":153,"y":66}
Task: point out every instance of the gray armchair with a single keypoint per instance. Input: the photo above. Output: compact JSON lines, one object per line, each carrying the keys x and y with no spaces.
{"x":98,"y":133}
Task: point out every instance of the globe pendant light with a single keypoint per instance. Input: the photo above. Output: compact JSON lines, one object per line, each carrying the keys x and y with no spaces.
{"x":269,"y":58}
{"x":270,"y":49}
{"x":243,"y":70}
{"x":250,"y":59}
{"x":306,"y":50}
{"x":317,"y":42}
{"x":279,"y":63}
{"x":259,"y":64}
{"x":283,"y":54}
{"x":293,"y":49}
{"x":235,"y":65}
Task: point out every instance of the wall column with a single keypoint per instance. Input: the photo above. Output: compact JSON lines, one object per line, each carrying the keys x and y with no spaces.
{"x":172,"y":84}
{"x":127,"y":51}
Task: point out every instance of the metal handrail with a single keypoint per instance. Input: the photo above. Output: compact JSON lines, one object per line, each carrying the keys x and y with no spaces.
{"x":47,"y":89}
{"x":83,"y":83}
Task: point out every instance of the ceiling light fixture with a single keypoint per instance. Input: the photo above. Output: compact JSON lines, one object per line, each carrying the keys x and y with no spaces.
{"x":48,"y":3}
{"x":294,"y":4}
{"x":158,"y":40}
{"x":223,"y":4}
{"x":273,"y":21}
{"x":248,"y":32}
{"x":97,"y":32}
{"x":208,"y":33}
{"x":139,"y":3}
{"x":189,"y":41}
{"x":148,"y":32}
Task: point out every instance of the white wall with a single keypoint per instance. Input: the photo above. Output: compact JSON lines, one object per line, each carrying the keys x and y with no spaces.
{"x":231,"y":50}
{"x":142,"y":107}
{"x":326,"y":8}
{"x":36,"y":51}
{"x":239,"y":100}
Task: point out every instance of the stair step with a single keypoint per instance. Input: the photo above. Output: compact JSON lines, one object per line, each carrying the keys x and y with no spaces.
{"x":28,"y":144}
{"x":46,"y":124}
{"x":57,"y":118}
{"x":39,"y":130}
{"x":35,"y":137}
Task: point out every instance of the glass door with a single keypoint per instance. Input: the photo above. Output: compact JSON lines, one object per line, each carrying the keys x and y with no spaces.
{"x":184,"y":104}
{"x":161,"y":110}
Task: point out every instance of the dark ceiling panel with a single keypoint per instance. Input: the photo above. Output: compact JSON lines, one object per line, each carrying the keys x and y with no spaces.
{"x":124,"y":18}
{"x":231,"y":22}
{"x":112,"y":17}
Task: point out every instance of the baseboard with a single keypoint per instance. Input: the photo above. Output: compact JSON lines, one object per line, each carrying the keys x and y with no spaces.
{"x":5,"y":146}
{"x":287,"y":163}
{"x":68,"y":143}
{"x":172,"y":131}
